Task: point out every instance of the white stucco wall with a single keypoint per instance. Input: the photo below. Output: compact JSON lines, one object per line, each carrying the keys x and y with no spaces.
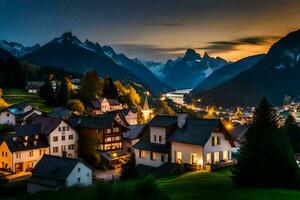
{"x":10,"y":119}
{"x":85,"y":175}
{"x":224,"y":146}
{"x":148,"y":161}
{"x":158,"y":131}
{"x":66,"y":142}
{"x":187,"y":150}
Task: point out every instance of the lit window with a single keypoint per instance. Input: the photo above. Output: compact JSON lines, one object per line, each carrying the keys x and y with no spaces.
{"x":216,"y":140}
{"x":216,"y":157}
{"x":153,"y":156}
{"x":178,"y":156}
{"x":116,"y":129}
{"x":208,"y":158}
{"x":108,"y":130}
{"x":225,"y":155}
{"x":142,"y":154}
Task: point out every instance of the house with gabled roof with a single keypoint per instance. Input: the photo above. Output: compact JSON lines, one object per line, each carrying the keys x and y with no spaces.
{"x":21,"y":150}
{"x":61,"y":136}
{"x":106,"y":133}
{"x":103,"y":105}
{"x":178,"y":139}
{"x":18,"y":113}
{"x":54,"y":173}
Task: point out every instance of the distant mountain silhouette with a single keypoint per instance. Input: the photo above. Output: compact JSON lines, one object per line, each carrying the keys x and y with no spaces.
{"x":275,"y":75}
{"x":190,"y":70}
{"x":74,"y":55}
{"x":227,"y":72}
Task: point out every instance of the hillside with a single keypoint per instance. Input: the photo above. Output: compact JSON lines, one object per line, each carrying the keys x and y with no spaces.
{"x":274,"y":76}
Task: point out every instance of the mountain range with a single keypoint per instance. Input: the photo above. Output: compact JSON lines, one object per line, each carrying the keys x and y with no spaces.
{"x":227,"y":72}
{"x":189,"y":70}
{"x":74,"y":55}
{"x":273,"y":76}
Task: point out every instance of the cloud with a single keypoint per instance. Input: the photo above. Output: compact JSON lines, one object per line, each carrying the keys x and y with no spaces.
{"x":223,"y":46}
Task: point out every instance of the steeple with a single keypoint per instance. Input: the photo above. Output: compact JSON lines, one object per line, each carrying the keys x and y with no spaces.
{"x":146,"y":106}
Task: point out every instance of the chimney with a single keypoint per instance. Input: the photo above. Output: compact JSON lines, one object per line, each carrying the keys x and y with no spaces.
{"x":181,"y":119}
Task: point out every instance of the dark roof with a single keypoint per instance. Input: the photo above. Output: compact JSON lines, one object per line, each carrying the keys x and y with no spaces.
{"x":28,"y":129}
{"x":98,"y":122}
{"x":239,"y":133}
{"x":145,"y":144}
{"x":61,"y":112}
{"x":54,"y":168}
{"x":163,"y":120}
{"x":26,"y":137}
{"x":195,"y":131}
{"x":49,"y":124}
{"x":127,"y":110}
{"x":17,"y":109}
{"x":133,"y":132}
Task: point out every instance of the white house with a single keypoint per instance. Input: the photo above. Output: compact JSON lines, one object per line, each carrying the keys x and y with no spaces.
{"x":62,"y":138}
{"x":17,"y":113}
{"x":130,"y":115}
{"x":54,"y":173}
{"x":196,"y":142}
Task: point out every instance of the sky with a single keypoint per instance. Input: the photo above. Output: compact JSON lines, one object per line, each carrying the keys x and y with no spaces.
{"x":155,"y":29}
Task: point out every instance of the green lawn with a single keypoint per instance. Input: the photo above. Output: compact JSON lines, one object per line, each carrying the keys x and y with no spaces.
{"x":218,"y":185}
{"x":18,"y":95}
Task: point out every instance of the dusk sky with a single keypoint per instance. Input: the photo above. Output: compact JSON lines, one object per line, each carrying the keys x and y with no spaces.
{"x":154,"y":29}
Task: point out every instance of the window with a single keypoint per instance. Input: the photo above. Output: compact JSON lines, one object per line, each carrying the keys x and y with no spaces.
{"x":216,"y":157}
{"x":78,"y":169}
{"x":68,"y":128}
{"x":162,"y":158}
{"x":64,"y":128}
{"x":160,"y":138}
{"x":108,"y":130}
{"x":116,"y":129}
{"x":153,"y":155}
{"x":3,"y":153}
{"x":154,"y":138}
{"x":63,"y":148}
{"x":31,"y":154}
{"x":55,"y":149}
{"x":225,"y":155}
{"x":87,"y":174}
{"x":108,"y":139}
{"x":142,"y":154}
{"x":41,"y":152}
{"x":63,"y":138}
{"x":7,"y":114}
{"x":78,"y":180}
{"x":18,"y":155}
{"x":71,"y":137}
{"x":59,"y":129}
{"x":55,"y":139}
{"x":178,"y":156}
{"x":208,"y":158}
{"x":193,"y":158}
{"x":216,"y":140}
{"x":71,"y":147}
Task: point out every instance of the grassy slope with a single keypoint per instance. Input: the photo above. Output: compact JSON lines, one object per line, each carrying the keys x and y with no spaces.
{"x":18,"y":95}
{"x":218,"y":185}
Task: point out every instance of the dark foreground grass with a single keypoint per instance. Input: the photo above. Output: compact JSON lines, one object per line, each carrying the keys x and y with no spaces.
{"x":218,"y":185}
{"x":145,"y":188}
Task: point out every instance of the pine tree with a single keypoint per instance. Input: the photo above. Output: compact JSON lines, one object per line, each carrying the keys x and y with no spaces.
{"x":266,"y":159}
{"x":63,"y":93}
{"x":91,"y":86}
{"x":47,"y":92}
{"x":293,"y":132}
{"x":109,"y":88}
